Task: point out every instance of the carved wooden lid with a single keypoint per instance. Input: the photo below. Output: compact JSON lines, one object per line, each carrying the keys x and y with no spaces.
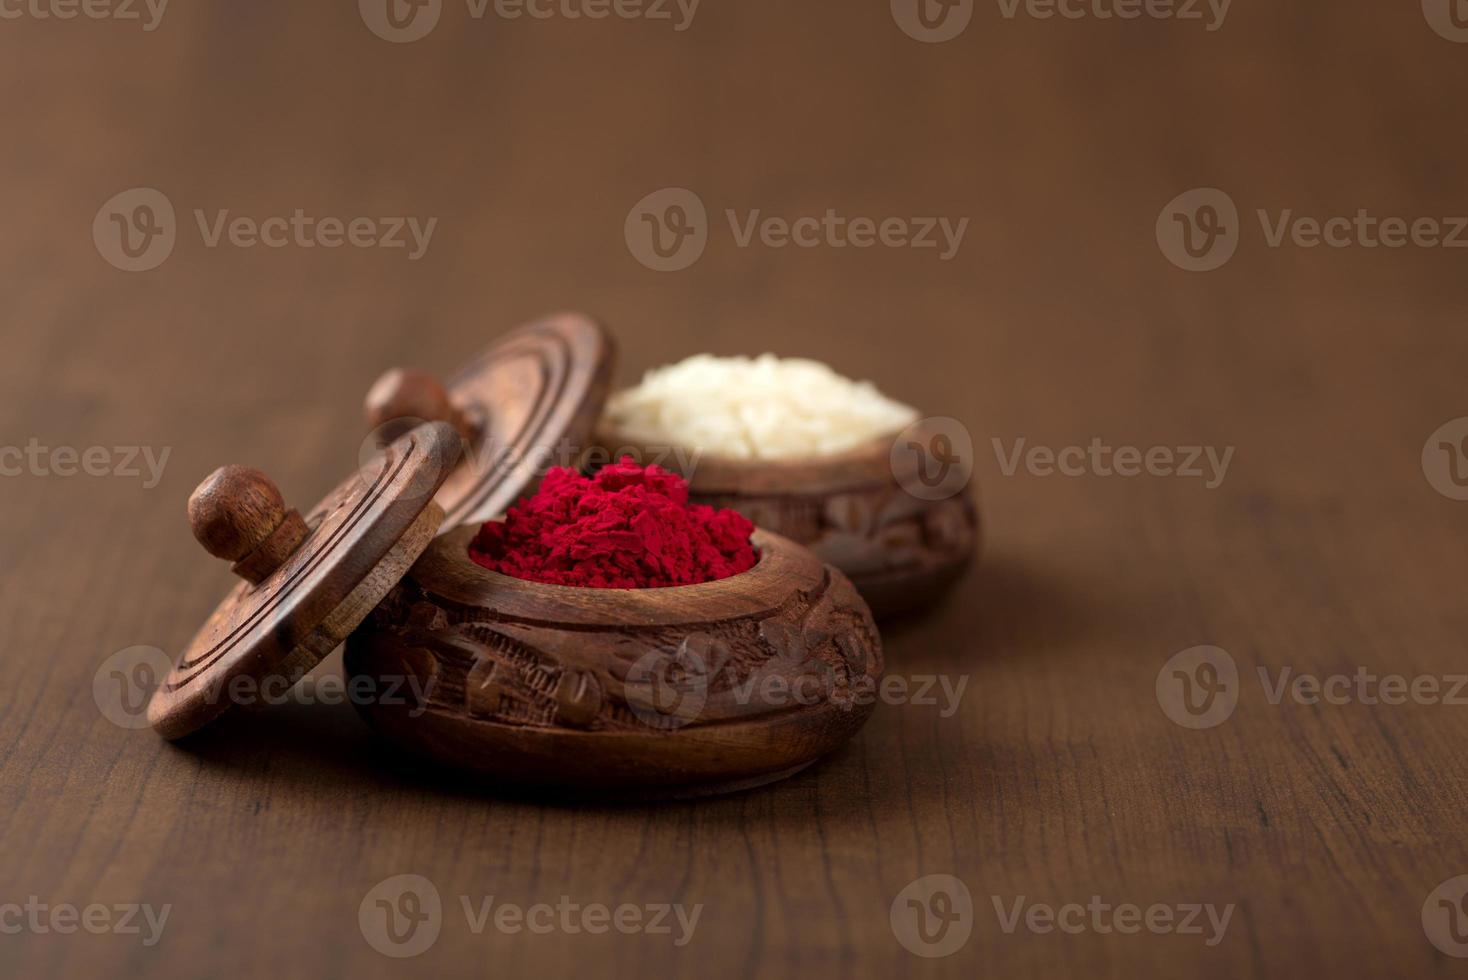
{"x":307,"y":582}
{"x":528,"y":402}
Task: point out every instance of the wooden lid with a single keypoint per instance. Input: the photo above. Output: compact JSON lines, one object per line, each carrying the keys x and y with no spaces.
{"x":308,"y":582}
{"x":528,"y":402}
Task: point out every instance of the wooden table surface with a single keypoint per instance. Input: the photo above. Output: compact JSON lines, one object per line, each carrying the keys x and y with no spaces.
{"x":1325,"y":549}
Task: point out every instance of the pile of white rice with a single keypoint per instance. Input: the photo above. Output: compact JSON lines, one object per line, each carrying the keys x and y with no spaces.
{"x":753,"y":408}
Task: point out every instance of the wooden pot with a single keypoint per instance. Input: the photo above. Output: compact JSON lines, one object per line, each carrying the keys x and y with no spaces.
{"x":623,"y":692}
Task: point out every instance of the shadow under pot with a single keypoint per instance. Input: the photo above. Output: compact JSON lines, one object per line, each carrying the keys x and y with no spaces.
{"x":633,"y":693}
{"x":902,"y":533}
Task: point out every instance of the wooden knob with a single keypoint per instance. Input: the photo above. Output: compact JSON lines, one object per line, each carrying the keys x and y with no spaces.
{"x":238,"y":514}
{"x":408,"y":393}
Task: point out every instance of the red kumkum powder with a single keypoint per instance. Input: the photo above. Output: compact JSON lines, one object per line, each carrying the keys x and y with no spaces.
{"x":628,"y":527}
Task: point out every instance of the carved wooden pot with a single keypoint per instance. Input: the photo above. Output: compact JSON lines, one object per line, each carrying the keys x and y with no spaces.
{"x":624,"y":692}
{"x":852,"y":509}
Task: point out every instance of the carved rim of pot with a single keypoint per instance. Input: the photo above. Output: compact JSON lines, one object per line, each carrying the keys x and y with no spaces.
{"x":784,"y":567}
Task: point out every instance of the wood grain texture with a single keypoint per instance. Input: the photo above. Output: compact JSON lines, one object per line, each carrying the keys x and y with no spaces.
{"x":1058,"y":321}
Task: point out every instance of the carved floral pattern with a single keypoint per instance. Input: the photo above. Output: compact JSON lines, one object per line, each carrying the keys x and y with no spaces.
{"x":494,"y":667}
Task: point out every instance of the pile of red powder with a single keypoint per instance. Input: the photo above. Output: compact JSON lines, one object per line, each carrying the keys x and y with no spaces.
{"x":628,"y":527}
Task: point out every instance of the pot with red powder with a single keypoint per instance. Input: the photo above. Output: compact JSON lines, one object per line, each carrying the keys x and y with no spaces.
{"x":608,"y":638}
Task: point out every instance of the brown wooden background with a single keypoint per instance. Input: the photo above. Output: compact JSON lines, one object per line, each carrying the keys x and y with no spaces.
{"x":1324,"y":550}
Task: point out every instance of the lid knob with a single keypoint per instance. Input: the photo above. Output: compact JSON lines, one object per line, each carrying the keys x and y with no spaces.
{"x":410,"y":393}
{"x":238,"y":514}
